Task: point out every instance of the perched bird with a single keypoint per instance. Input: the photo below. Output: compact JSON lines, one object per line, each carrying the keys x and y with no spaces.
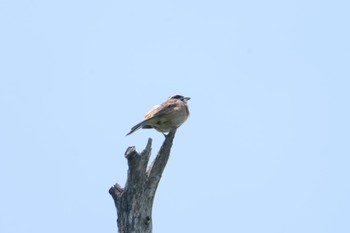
{"x":165,"y":116}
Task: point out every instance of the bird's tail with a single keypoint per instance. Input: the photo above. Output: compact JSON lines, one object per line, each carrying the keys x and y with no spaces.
{"x":136,"y":127}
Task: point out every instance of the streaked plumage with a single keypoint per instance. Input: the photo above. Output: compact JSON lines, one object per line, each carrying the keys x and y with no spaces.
{"x":165,"y":116}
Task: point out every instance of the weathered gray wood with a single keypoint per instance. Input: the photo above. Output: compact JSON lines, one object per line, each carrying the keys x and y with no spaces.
{"x":134,"y":202}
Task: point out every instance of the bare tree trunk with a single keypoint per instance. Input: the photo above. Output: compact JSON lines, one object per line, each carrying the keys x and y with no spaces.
{"x":134,"y":202}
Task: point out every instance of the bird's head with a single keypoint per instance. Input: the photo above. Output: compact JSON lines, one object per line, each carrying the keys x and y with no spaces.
{"x":180,"y":97}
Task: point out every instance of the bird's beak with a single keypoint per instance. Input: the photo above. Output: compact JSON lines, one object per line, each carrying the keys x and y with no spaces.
{"x":187,"y":98}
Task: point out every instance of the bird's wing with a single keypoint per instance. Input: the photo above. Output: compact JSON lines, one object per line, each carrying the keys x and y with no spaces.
{"x":153,"y":111}
{"x":159,"y":110}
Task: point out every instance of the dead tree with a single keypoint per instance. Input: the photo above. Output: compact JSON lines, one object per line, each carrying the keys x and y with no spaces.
{"x":134,"y":202}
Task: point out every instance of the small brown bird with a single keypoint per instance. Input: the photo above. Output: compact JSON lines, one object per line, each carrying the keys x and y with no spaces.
{"x":165,"y":116}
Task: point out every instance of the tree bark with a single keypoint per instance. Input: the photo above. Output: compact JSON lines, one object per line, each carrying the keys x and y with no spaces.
{"x":134,"y":202}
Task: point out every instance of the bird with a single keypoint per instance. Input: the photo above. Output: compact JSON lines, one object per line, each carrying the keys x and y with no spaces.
{"x":165,"y":116}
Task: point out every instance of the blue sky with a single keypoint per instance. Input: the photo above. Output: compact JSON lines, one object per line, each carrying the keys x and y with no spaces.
{"x":266,"y":148}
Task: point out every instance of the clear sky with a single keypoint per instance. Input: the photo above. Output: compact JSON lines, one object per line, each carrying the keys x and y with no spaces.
{"x":266,"y":148}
